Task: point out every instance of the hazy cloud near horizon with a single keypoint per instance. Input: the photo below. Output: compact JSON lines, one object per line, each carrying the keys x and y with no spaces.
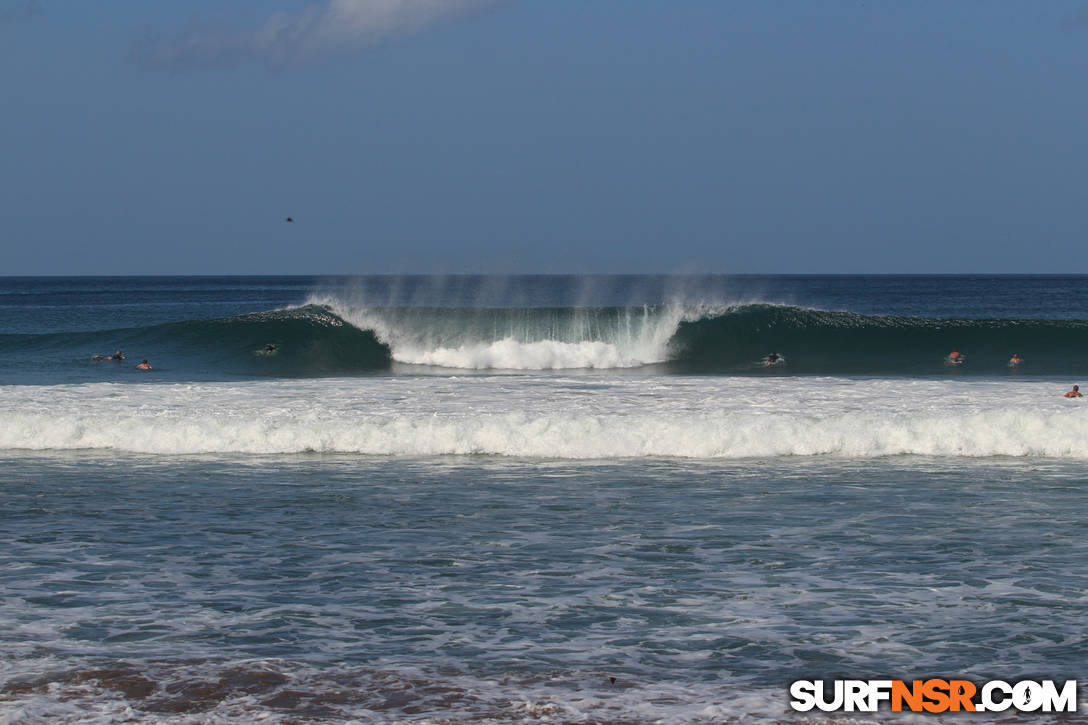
{"x":287,"y":40}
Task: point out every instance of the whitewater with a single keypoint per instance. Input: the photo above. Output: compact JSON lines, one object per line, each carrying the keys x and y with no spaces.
{"x":533,"y":499}
{"x":522,"y":339}
{"x":554,"y":416}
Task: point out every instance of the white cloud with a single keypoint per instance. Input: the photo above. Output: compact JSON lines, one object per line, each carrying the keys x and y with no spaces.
{"x":285,"y":40}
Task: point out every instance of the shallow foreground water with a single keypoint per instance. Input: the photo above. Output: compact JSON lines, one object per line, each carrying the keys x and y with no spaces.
{"x":339,"y":587}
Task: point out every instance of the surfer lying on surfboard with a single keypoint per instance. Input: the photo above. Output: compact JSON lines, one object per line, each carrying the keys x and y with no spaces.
{"x":955,"y":357}
{"x":115,"y":356}
{"x":774,"y":359}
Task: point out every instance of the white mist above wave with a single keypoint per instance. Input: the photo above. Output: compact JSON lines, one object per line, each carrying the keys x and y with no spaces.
{"x":526,"y":339}
{"x":553,"y":417}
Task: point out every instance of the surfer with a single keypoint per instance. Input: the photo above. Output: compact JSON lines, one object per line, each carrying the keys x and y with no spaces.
{"x":955,"y":356}
{"x":1074,"y":393}
{"x":269,"y":348}
{"x":1015,"y":360}
{"x":144,"y":365}
{"x":773,"y":359}
{"x":115,"y":356}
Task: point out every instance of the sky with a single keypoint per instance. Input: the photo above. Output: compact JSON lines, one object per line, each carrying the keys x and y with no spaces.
{"x":543,"y":136}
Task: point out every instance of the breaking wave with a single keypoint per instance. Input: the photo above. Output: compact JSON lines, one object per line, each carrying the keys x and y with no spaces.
{"x":326,"y":337}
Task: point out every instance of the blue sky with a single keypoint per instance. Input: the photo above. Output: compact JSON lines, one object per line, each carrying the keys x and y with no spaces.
{"x":545,"y":136}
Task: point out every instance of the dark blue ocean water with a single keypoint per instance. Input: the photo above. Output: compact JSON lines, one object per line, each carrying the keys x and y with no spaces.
{"x":479,"y":499}
{"x":30,"y":305}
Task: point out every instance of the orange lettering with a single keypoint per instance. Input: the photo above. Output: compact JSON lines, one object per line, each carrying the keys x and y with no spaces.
{"x":961,"y":693}
{"x":936,"y":691}
{"x":912,"y":695}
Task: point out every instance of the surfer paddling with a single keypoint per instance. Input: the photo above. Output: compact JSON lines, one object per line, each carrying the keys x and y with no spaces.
{"x":1074,"y":393}
{"x":115,"y":356}
{"x":1015,"y":360}
{"x":955,"y":357}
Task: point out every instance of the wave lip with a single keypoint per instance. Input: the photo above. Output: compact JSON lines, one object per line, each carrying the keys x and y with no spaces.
{"x":518,"y":338}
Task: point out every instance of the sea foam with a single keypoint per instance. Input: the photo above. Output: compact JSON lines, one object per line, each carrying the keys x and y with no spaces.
{"x":553,"y":417}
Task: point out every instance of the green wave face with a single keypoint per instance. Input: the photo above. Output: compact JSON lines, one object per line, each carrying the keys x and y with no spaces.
{"x":320,"y":340}
{"x":310,"y":342}
{"x":819,"y":342}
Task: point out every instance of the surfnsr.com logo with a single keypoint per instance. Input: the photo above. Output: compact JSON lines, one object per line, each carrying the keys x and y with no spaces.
{"x":934,"y":695}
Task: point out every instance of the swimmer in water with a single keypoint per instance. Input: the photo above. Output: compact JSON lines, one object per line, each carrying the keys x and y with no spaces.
{"x":115,"y":356}
{"x":955,"y":355}
{"x":1074,"y":393}
{"x":144,"y":365}
{"x":773,"y":358}
{"x":269,"y":348}
{"x":1015,"y":360}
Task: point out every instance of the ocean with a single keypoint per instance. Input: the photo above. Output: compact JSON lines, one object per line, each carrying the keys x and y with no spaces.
{"x":564,"y":499}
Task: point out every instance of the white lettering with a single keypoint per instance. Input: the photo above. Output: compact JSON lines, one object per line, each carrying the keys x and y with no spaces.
{"x":1027,"y":696}
{"x":854,"y":695}
{"x":993,"y":696}
{"x":803,"y":693}
{"x":999,"y":705}
{"x":1064,"y":701}
{"x":821,"y":697}
{"x":879,"y":690}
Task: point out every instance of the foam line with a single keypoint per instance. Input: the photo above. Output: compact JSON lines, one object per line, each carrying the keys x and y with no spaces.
{"x":553,"y":418}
